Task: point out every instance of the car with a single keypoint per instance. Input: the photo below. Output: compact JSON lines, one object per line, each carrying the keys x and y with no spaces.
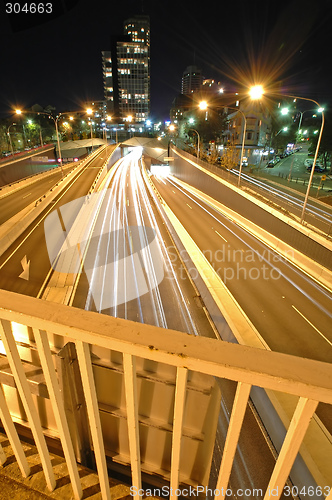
{"x":309,"y":162}
{"x":277,"y":159}
{"x":270,"y":164}
{"x":318,"y":168}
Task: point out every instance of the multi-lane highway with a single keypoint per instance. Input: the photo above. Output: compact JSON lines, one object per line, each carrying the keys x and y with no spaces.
{"x":28,"y":254}
{"x":129,"y":260}
{"x":316,"y":213}
{"x":288,"y":308}
{"x":17,"y":200}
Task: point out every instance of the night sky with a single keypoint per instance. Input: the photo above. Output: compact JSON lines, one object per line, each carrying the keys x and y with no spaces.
{"x":285,"y":45}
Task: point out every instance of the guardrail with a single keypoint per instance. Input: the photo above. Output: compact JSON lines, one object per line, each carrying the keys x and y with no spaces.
{"x":314,"y":217}
{"x":309,"y":380}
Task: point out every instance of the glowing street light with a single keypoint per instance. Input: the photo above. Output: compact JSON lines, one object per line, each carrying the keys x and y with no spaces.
{"x":283,"y":129}
{"x":203,"y":105}
{"x":19,"y":112}
{"x":256,"y":93}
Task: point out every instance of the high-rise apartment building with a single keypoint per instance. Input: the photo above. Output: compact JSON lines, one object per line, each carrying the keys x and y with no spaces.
{"x":126,"y":69}
{"x":191,"y":80}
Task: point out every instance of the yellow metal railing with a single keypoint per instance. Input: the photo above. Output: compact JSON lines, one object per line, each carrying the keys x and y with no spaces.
{"x":310,"y":381}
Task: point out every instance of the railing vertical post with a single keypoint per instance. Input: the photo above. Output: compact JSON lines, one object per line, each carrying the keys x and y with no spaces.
{"x":45,"y":357}
{"x":22,"y":385}
{"x":3,"y":456}
{"x":14,"y":440}
{"x":179,"y":404}
{"x":84,"y":359}
{"x":233,"y":434}
{"x":129,"y":368}
{"x":297,"y":428}
{"x":71,"y":387}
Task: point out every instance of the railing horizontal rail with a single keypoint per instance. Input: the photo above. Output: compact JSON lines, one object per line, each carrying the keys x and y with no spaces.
{"x":271,"y":370}
{"x":309,"y":380}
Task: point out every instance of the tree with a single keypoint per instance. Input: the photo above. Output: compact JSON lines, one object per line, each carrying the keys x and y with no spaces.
{"x":325,"y":148}
{"x":229,"y":158}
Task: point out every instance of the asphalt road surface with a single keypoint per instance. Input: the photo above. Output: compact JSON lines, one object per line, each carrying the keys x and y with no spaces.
{"x":290,"y":310}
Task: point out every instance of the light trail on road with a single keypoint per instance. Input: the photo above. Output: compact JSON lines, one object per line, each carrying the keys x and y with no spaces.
{"x":293,"y":313}
{"x":128,"y":205}
{"x":301,"y":291}
{"x":288,"y":198}
{"x":127,"y":208}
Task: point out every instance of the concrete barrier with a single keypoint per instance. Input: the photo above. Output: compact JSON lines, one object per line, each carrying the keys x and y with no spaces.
{"x":14,"y":227}
{"x":16,"y":186}
{"x":248,"y":194}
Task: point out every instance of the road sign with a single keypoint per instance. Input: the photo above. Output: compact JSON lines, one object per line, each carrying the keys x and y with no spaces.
{"x":324,"y":177}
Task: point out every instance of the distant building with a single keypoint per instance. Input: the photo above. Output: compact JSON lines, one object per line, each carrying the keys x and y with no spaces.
{"x":126,"y":71}
{"x":258,"y":130}
{"x":191,"y":80}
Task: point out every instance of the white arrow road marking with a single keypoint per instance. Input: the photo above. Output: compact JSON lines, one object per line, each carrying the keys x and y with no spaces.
{"x":26,"y":268}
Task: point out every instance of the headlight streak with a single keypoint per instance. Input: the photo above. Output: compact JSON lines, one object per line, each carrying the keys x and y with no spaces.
{"x":158,"y":312}
{"x":261,"y":257}
{"x":118,"y":215}
{"x":316,"y":211}
{"x":184,"y":310}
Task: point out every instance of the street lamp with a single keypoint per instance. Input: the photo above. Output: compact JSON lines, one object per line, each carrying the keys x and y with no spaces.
{"x":89,"y":112}
{"x":10,"y":140}
{"x":198,"y":140}
{"x":256,"y":92}
{"x":321,"y":110}
{"x":283,"y":129}
{"x":171,"y":128}
{"x":203,"y":105}
{"x":55,"y":120}
{"x":301,"y":117}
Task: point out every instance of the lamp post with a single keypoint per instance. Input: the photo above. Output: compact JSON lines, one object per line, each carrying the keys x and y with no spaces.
{"x":301,"y":117}
{"x":283,"y":129}
{"x":256,"y":93}
{"x":10,"y":140}
{"x":55,"y":120}
{"x":243,"y":142}
{"x":89,"y":112}
{"x":198,"y":141}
